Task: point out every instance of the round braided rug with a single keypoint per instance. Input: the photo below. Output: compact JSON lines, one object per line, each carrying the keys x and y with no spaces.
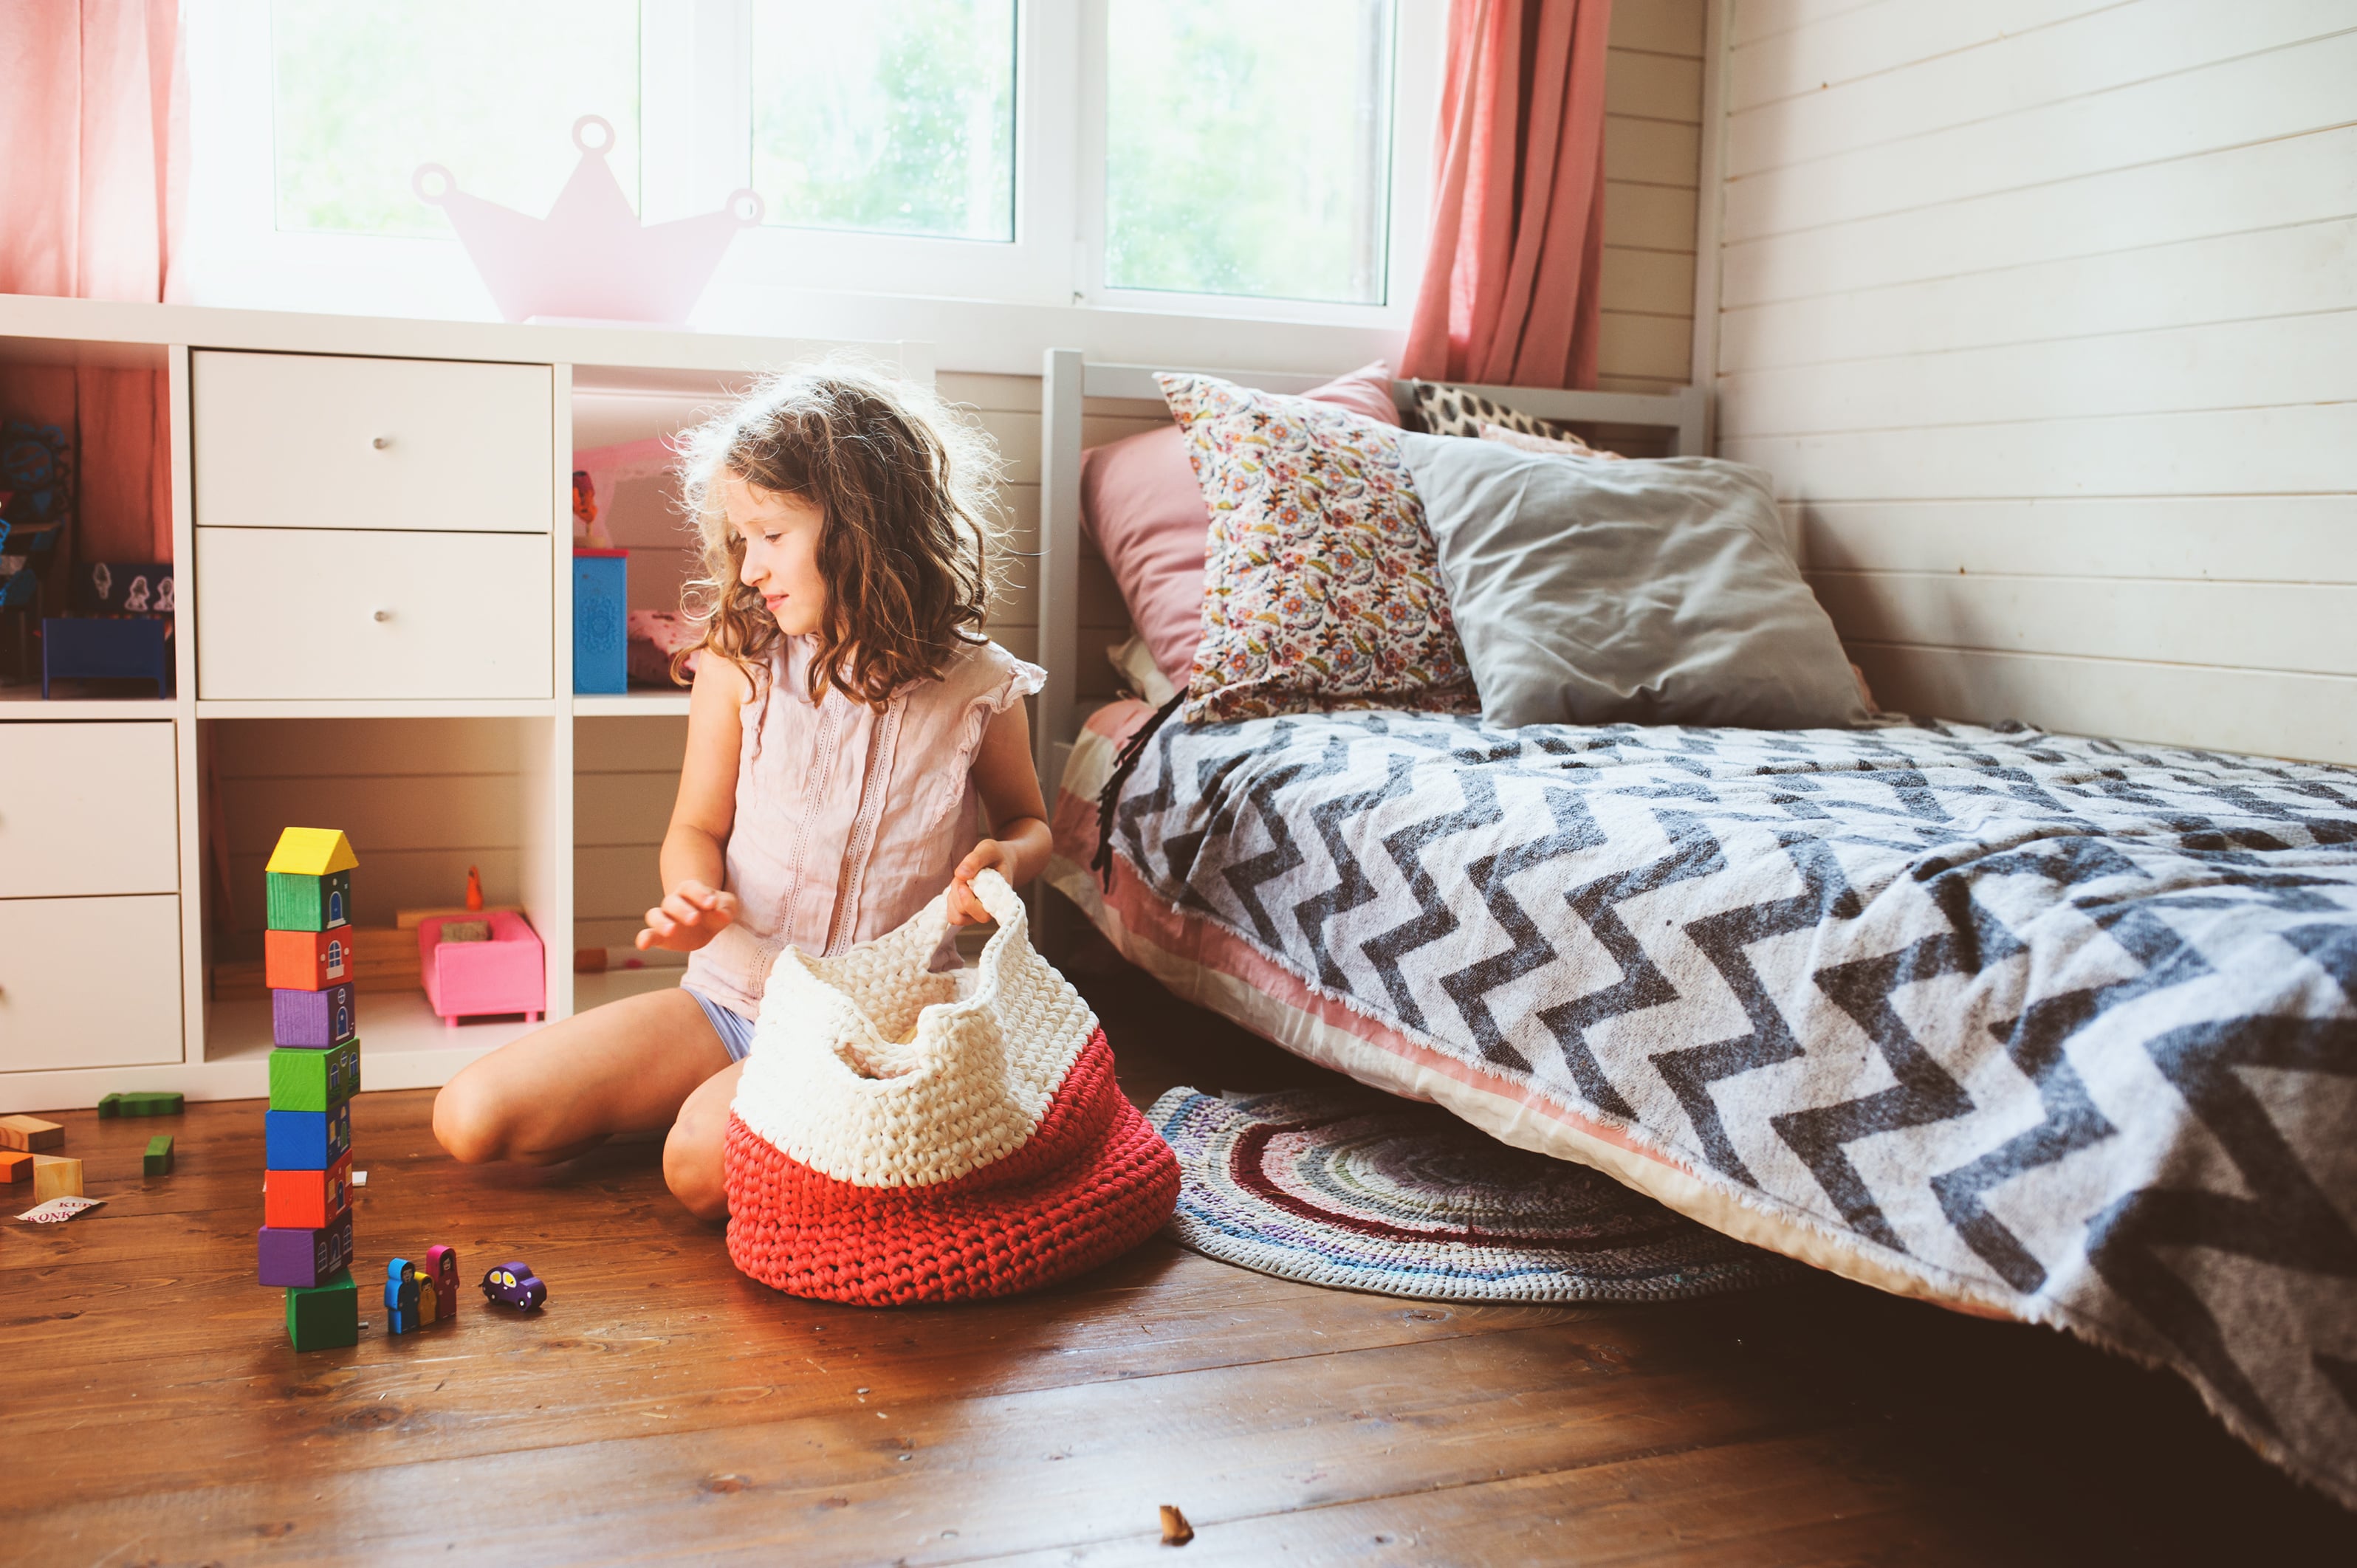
{"x":1366,"y":1192}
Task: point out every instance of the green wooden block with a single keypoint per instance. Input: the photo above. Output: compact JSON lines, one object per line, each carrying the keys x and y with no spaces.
{"x":302,"y":1078}
{"x":142,"y":1102}
{"x":326,"y":1316}
{"x":299,"y":903}
{"x":158,"y":1160}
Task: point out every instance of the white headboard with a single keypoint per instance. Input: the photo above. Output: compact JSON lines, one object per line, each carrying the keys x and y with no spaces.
{"x":1067,"y":379}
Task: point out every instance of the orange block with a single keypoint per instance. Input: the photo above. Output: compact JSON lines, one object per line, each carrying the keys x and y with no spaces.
{"x":307,"y":1200}
{"x":307,"y":961}
{"x":15,"y":1166}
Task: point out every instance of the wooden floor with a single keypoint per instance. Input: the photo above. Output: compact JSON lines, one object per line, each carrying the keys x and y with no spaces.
{"x":664,"y":1408}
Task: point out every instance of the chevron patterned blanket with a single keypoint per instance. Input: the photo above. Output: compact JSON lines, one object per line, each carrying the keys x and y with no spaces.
{"x":2058,"y":1029}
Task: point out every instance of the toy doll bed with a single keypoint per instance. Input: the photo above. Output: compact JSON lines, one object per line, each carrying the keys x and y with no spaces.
{"x":2044,"y":1027}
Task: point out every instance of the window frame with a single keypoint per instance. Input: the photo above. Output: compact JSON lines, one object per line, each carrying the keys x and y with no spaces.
{"x":694,"y":148}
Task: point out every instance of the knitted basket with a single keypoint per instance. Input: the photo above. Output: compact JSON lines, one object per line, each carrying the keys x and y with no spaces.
{"x":906,"y":1135}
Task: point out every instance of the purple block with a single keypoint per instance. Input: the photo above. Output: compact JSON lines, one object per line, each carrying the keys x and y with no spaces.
{"x":304,"y":1258}
{"x":315,"y":1018}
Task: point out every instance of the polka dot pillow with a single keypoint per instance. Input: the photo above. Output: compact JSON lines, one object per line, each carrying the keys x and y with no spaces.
{"x":1322,"y":585}
{"x":1453,"y":411}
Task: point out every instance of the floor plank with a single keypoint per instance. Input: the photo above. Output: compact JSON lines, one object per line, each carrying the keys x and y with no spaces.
{"x":664,"y":1408}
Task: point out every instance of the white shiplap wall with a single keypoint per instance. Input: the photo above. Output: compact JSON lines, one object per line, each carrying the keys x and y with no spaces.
{"x":2044,"y":314}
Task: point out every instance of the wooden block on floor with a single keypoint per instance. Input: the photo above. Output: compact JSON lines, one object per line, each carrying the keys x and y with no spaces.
{"x":54,"y":1175}
{"x":141,"y":1103}
{"x":29,"y":1135}
{"x":16,"y":1166}
{"x":158,"y":1160}
{"x":324,"y":1316}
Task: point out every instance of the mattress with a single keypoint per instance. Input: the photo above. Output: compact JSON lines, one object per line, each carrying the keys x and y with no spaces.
{"x":2037,"y":1027}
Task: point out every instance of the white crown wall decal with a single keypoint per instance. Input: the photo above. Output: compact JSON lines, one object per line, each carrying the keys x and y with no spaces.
{"x":590,"y":257}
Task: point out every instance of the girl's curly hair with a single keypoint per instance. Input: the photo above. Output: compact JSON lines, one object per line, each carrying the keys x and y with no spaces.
{"x":908,"y":546}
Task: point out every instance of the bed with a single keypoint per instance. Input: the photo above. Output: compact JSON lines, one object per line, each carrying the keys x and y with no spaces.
{"x":2056,"y":1029}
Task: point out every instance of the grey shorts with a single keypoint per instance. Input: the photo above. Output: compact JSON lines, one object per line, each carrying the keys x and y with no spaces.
{"x":735,"y":1029}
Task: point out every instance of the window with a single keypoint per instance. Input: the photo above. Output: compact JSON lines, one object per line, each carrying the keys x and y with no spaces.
{"x":1170,"y":157}
{"x":897,"y":118}
{"x":1248,"y":148}
{"x":361,"y":93}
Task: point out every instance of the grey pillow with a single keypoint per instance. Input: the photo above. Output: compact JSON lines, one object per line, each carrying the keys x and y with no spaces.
{"x":1646,"y":591}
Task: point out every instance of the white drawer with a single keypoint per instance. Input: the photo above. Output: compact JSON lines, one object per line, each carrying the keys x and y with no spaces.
{"x":88,"y":983}
{"x":321,"y":613}
{"x":88,"y":809}
{"x":316,"y":441}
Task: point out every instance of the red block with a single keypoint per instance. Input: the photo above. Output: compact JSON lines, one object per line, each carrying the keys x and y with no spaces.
{"x":307,"y":961}
{"x":15,"y":1166}
{"x":307,"y":1200}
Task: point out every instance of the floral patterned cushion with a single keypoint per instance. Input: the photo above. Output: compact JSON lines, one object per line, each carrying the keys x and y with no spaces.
{"x":1321,"y":586}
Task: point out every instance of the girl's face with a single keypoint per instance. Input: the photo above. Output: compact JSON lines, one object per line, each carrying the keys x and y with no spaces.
{"x":780,"y":534}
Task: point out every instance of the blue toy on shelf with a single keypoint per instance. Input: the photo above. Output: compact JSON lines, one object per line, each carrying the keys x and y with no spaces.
{"x":602,"y":609}
{"x":106,"y":649}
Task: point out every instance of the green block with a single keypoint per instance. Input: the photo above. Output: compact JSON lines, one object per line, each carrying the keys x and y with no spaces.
{"x":142,"y":1102}
{"x":324,"y":1316}
{"x":305,"y":1080}
{"x":309,"y":902}
{"x":158,"y":1160}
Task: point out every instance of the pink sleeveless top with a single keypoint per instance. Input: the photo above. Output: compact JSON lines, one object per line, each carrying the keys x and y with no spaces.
{"x":849,"y":820}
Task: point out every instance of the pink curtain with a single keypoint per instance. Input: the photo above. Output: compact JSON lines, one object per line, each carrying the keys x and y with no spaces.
{"x":1509,"y":295}
{"x":93,"y":119}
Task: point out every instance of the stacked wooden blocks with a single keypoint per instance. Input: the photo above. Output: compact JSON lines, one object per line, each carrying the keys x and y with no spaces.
{"x":305,"y":1242}
{"x":22,"y":1138}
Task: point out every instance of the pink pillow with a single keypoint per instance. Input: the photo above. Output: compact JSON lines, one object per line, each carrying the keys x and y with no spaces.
{"x":1139,"y":501}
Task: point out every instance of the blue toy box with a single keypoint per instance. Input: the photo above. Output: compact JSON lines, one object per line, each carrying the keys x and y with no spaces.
{"x":601,"y":639}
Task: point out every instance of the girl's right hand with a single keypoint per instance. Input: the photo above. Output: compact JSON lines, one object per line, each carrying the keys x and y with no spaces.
{"x":690,"y":916}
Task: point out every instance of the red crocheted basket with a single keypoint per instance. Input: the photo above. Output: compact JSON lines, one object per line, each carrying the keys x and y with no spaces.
{"x":904,"y":1136}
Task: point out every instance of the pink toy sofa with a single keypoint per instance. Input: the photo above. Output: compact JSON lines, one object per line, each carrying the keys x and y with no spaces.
{"x":507,"y":974}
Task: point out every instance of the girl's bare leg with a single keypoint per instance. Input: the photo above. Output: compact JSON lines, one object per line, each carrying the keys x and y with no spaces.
{"x":628,"y":1066}
{"x":691,"y":1153}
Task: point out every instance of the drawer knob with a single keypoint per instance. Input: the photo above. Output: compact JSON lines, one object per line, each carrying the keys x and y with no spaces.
{"x":383,"y":615}
{"x":381,"y":442}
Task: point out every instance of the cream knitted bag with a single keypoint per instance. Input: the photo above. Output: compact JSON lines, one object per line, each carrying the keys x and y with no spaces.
{"x":903,"y":1134}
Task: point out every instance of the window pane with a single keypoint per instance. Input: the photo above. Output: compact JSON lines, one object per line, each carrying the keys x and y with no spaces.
{"x":1248,"y":148}
{"x":898,"y":117}
{"x":367,"y":89}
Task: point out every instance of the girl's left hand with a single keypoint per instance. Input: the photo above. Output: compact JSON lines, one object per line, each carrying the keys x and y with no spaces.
{"x":965,"y":908}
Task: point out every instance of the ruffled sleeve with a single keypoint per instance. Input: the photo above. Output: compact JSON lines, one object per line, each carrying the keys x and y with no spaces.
{"x":984,"y":684}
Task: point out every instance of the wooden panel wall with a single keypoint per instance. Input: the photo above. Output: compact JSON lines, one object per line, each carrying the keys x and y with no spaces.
{"x":625,"y":776}
{"x":2044,"y":314}
{"x":421,"y":800}
{"x":1653,"y":159}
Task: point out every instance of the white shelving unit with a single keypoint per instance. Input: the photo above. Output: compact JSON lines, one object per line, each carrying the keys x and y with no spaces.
{"x":64,"y":1037}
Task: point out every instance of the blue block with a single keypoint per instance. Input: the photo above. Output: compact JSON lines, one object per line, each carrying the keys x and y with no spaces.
{"x":306,"y":1140}
{"x":601,"y":608}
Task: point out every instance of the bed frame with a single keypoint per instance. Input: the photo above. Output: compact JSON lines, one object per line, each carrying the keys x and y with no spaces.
{"x":1068,"y":380}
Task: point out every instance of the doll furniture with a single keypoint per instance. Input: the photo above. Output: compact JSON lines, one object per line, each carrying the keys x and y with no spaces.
{"x":505,"y":973}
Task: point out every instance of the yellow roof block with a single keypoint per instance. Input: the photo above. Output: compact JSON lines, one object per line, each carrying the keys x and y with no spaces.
{"x":312,"y":851}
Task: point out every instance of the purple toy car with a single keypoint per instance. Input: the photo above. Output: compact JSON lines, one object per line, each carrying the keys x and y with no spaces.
{"x":514,"y":1284}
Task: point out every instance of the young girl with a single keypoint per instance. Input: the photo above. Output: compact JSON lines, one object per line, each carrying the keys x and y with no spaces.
{"x":847,"y":718}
